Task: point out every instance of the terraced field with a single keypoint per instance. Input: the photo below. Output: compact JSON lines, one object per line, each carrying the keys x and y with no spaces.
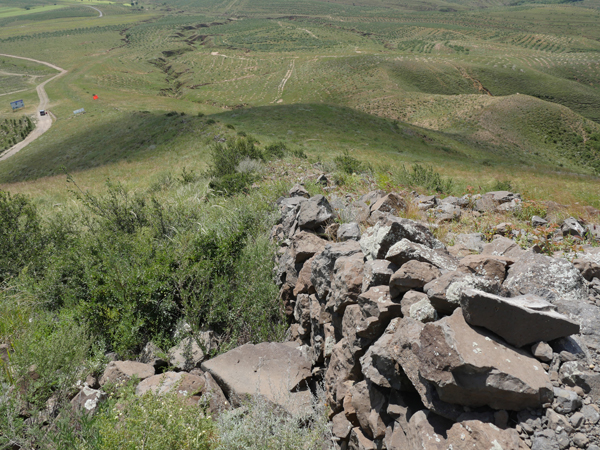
{"x":517,"y":85}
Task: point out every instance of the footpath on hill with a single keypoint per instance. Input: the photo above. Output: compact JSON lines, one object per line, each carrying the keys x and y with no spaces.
{"x":43,"y":123}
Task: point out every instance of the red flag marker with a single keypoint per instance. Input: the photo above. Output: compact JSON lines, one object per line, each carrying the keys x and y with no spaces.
{"x":95,"y":97}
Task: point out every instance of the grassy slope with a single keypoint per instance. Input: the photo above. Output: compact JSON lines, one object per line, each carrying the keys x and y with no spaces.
{"x":407,"y":66}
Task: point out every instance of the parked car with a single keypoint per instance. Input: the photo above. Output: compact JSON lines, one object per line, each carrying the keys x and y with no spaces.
{"x":42,"y":112}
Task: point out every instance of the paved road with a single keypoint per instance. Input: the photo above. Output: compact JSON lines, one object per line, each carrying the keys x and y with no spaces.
{"x":43,"y":123}
{"x":95,"y":9}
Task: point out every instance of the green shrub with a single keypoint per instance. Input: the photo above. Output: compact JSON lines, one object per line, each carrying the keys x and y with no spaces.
{"x":232,"y":184}
{"x":502,"y":185}
{"x":225,"y":158}
{"x":422,"y":176}
{"x":22,"y":242}
{"x":210,"y":122}
{"x":348,"y":164}
{"x":275,"y":151}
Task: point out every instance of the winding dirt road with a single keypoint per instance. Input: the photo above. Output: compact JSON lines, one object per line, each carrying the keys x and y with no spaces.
{"x":43,"y":123}
{"x":95,"y":9}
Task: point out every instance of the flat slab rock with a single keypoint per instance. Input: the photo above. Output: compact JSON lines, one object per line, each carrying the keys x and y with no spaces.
{"x":451,"y":363}
{"x":122,"y":371}
{"x":521,"y":320}
{"x":272,"y":370}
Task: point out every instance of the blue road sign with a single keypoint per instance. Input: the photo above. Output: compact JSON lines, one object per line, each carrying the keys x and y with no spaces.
{"x":18,"y":104}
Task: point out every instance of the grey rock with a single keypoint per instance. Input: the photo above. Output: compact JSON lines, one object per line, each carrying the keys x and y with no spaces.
{"x":153,"y":355}
{"x":378,"y":309}
{"x":542,"y":351}
{"x":324,"y":262}
{"x":367,"y":400}
{"x":473,"y":241}
{"x":88,"y":400}
{"x":377,"y":240}
{"x":545,"y":440}
{"x":348,"y":231}
{"x":423,"y":311}
{"x":425,"y":202}
{"x":580,"y":440}
{"x":502,"y":246}
{"x":405,"y":250}
{"x":563,"y":440}
{"x":576,"y":419}
{"x":487,"y":266}
{"x":412,"y":275}
{"x":314,"y":212}
{"x":590,"y":414}
{"x":392,"y":203}
{"x":575,"y":373}
{"x":409,"y":299}
{"x":588,"y":263}
{"x":298,"y":191}
{"x":305,"y":245}
{"x":537,"y":221}
{"x":275,"y":371}
{"x":521,"y":320}
{"x":341,"y":426}
{"x":343,"y":367}
{"x":556,"y":420}
{"x":377,"y":272}
{"x":446,"y":212}
{"x":565,"y":401}
{"x":182,"y":383}
{"x":572,"y":227}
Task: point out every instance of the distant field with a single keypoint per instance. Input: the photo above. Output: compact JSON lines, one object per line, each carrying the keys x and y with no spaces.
{"x":475,"y":87}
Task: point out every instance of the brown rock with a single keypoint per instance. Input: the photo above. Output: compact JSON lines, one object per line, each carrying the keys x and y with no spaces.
{"x":347,"y":282}
{"x":304,"y":284}
{"x":412,"y":275}
{"x":503,"y":247}
{"x":366,"y":400}
{"x":479,"y":435}
{"x":341,"y":426}
{"x":305,"y":245}
{"x":358,"y":441}
{"x":272,"y":370}
{"x":409,"y":299}
{"x":324,"y":263}
{"x":491,"y":267}
{"x":460,"y":365}
{"x":343,"y":367}
{"x":186,"y":355}
{"x":87,"y":400}
{"x":182,"y":383}
{"x":377,"y":272}
{"x":377,"y":309}
{"x":122,"y":371}
{"x":391,"y":203}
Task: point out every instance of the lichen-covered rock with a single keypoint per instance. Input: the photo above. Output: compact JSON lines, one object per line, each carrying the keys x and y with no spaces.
{"x":324,"y":262}
{"x":502,"y":246}
{"x":450,"y":363}
{"x":88,"y":400}
{"x":405,"y":250}
{"x":377,"y":240}
{"x":445,"y":291}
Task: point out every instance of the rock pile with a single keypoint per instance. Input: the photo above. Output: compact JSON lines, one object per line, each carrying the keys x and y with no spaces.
{"x":423,"y":346}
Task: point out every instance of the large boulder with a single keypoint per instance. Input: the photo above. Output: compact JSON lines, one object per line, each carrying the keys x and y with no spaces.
{"x":487,"y":266}
{"x":521,"y":320}
{"x":314,"y":213}
{"x":348,"y":231}
{"x":450,"y":363}
{"x":324,"y":262}
{"x":377,"y":240}
{"x":123,"y":371}
{"x":405,"y":250}
{"x":275,"y":371}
